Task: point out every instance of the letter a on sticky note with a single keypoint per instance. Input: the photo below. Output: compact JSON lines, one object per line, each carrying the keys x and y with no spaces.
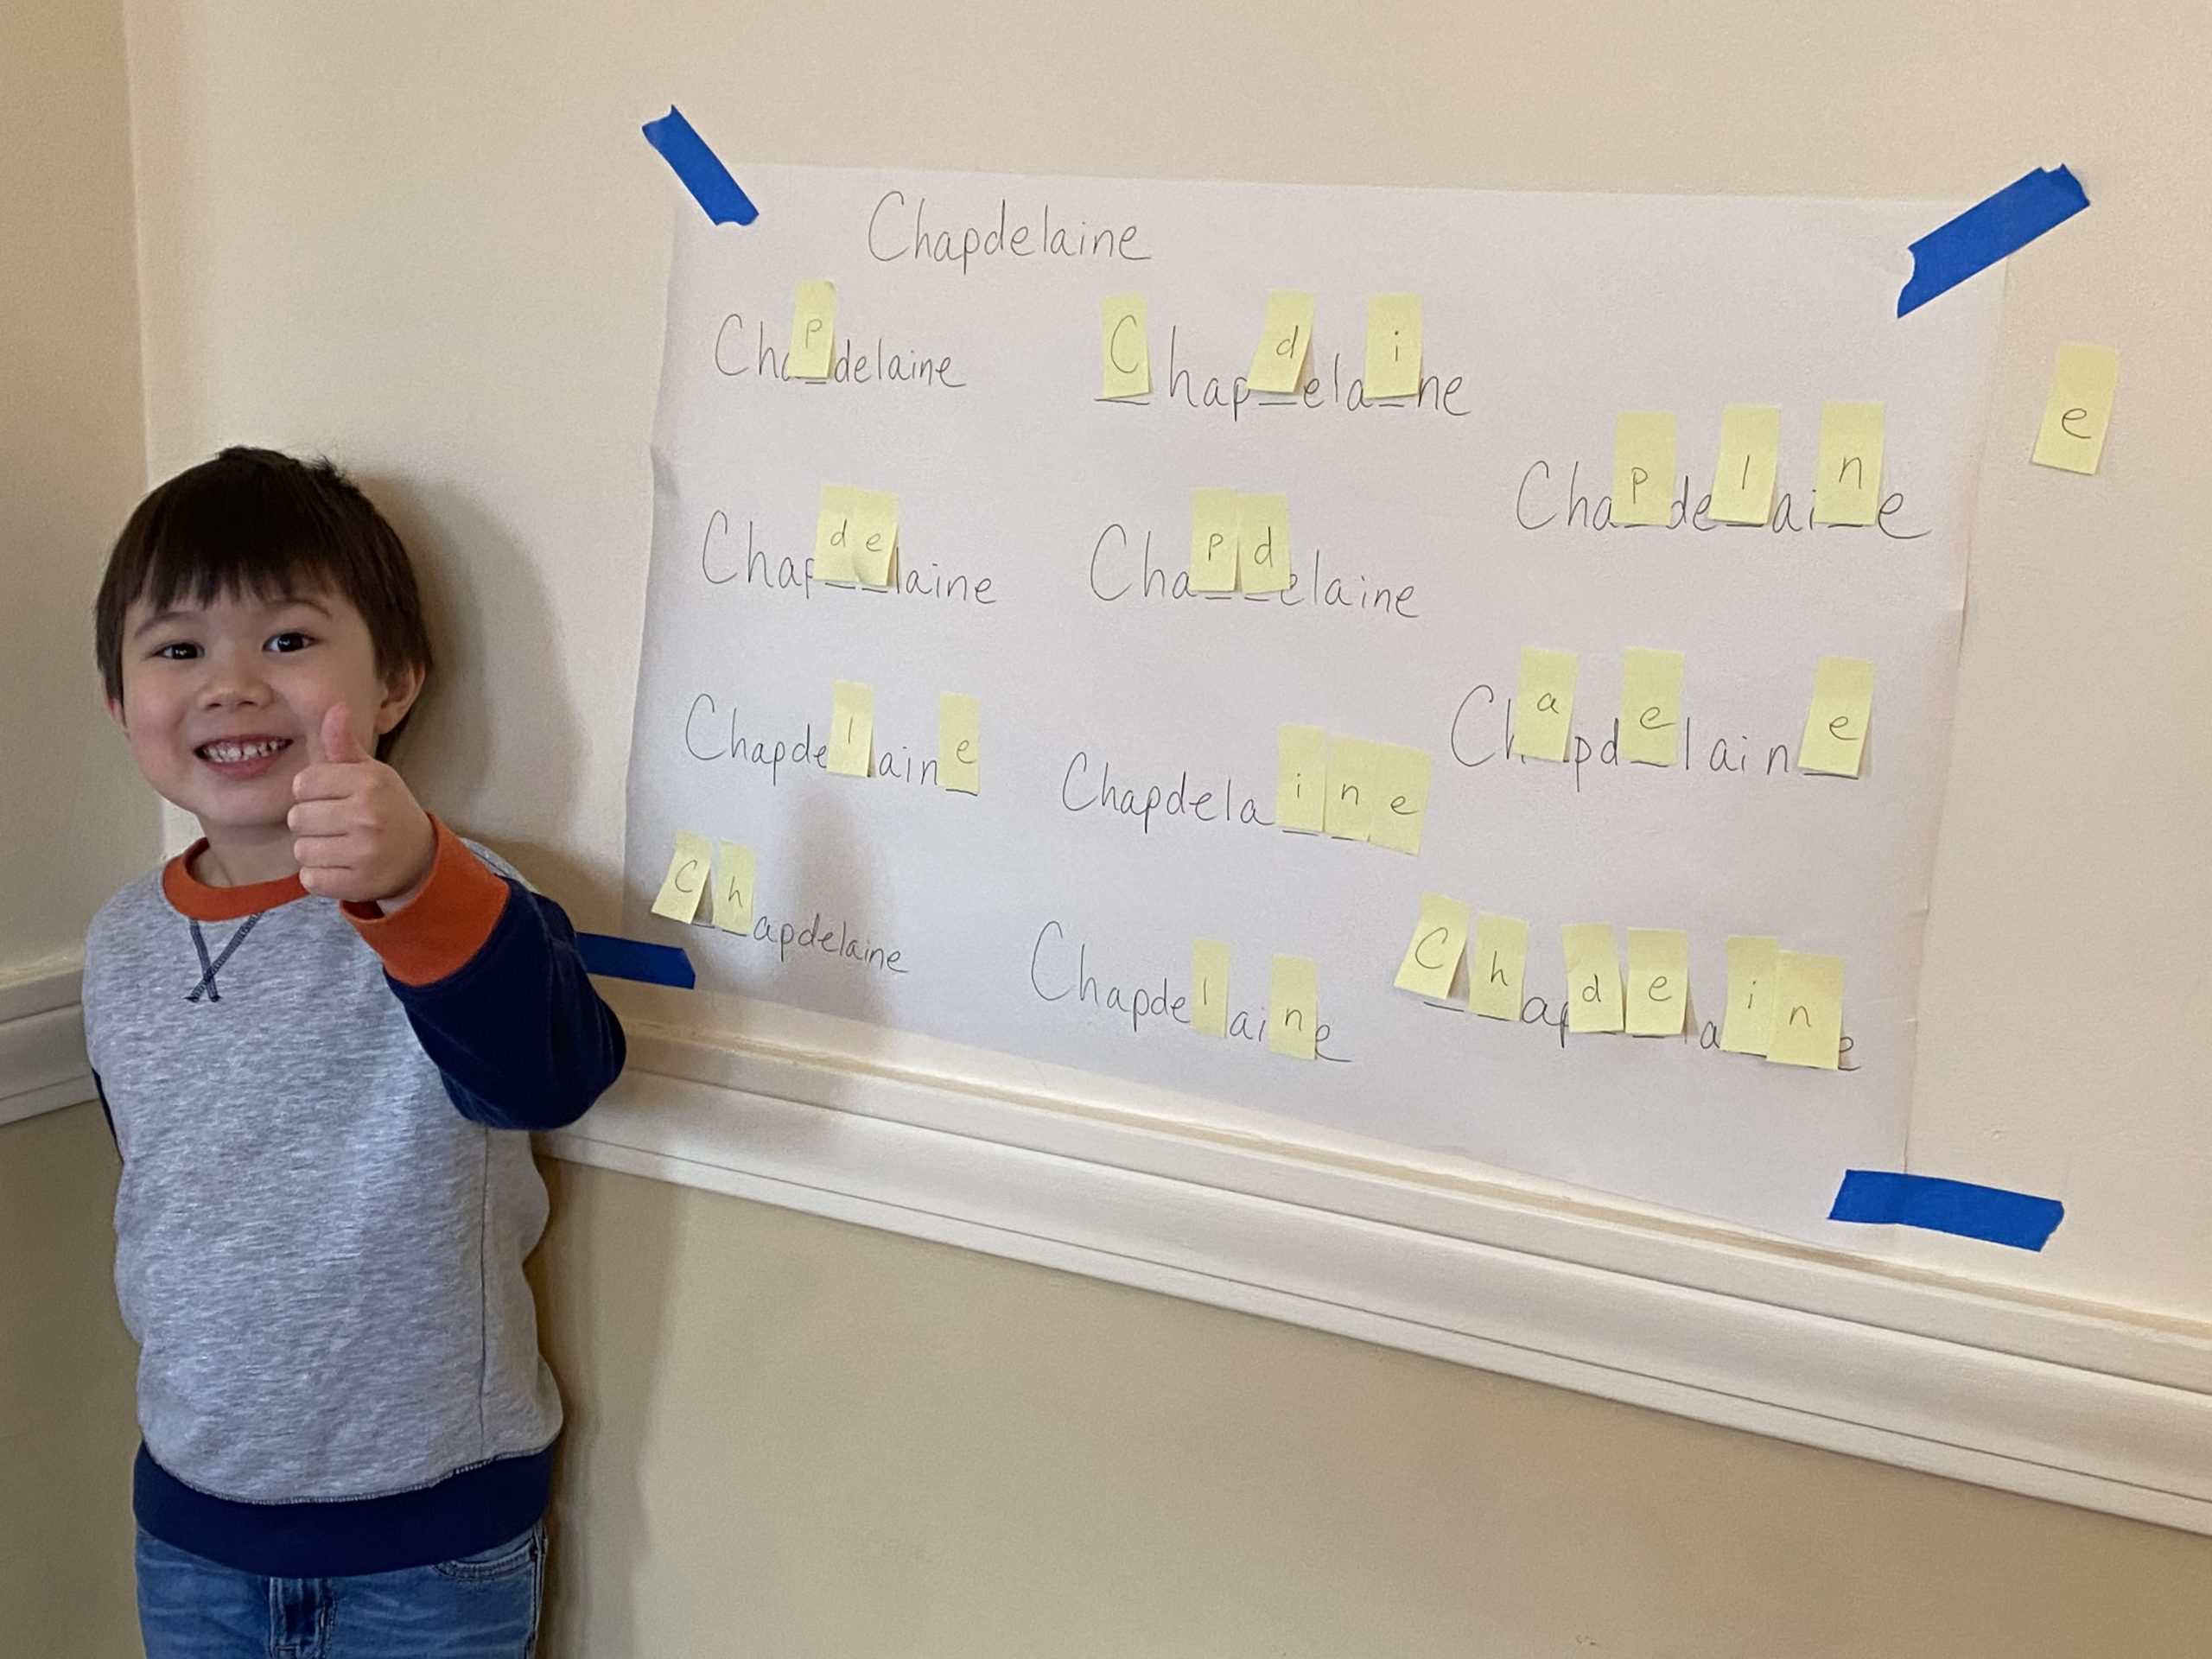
{"x":1401,"y":775}
{"x":1835,"y":726}
{"x":689,"y":873}
{"x":852,"y":728}
{"x":875,"y":537}
{"x":1214,"y":515}
{"x":1848,"y":490}
{"x":1643,"y":466}
{"x":1747,"y":1028}
{"x":1743,"y":479}
{"x":1544,"y":712}
{"x":1263,"y":542}
{"x":734,"y":867}
{"x":1285,"y":337}
{"x":1302,"y":777}
{"x":833,"y":536}
{"x":1651,"y":707}
{"x":1354,"y":766}
{"x":1293,"y":995}
{"x":1808,"y":1010}
{"x":1124,"y":348}
{"x":1494,"y":971}
{"x":1658,"y":981}
{"x":960,"y":742}
{"x":1392,"y":366}
{"x":2082,"y":382}
{"x":1432,"y":954}
{"x":1210,"y":987}
{"x":814,"y":331}
{"x":1594,"y":978}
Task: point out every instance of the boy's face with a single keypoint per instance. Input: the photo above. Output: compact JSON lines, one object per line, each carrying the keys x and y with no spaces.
{"x":222,"y":702}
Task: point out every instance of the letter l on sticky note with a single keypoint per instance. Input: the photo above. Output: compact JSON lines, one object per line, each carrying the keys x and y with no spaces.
{"x":1743,"y":479}
{"x":1433,"y":953}
{"x":689,"y":870}
{"x":1210,"y":987}
{"x":852,"y":728}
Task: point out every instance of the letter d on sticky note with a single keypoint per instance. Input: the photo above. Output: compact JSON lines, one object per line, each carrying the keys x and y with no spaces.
{"x":1594,"y":978}
{"x":1284,"y":336}
{"x":1263,"y":542}
{"x":814,"y":332}
{"x":852,"y":728}
{"x":689,"y":870}
{"x":1210,"y":987}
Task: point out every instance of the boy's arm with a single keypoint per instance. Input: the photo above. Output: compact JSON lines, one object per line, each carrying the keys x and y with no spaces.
{"x":489,"y":975}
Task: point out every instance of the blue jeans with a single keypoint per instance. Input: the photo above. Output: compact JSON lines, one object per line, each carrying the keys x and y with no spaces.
{"x":479,"y":1607}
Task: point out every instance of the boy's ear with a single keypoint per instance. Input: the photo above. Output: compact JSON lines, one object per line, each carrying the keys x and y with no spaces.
{"x":401,"y":687}
{"x":115,"y":712}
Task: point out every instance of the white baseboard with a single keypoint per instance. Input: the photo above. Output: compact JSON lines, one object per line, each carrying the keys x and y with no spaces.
{"x":42,"y":1065}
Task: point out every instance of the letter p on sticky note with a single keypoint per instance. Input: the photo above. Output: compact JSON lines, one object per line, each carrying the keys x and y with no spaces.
{"x":1214,"y":516}
{"x":1643,"y":466}
{"x":2082,"y":382}
{"x":814,"y":331}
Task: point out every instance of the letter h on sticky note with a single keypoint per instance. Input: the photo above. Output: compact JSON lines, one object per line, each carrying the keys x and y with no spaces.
{"x":852,"y":728}
{"x":689,"y":870}
{"x":1835,"y":726}
{"x":734,"y":865}
{"x":1743,"y":479}
{"x":814,"y":332}
{"x":1285,"y":337}
{"x":1543,"y":712}
{"x":1494,"y":971}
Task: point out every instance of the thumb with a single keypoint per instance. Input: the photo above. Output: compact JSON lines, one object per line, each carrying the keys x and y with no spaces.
{"x":337,"y":745}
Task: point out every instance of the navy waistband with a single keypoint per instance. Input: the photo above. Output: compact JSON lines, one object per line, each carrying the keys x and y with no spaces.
{"x":462,"y":1515}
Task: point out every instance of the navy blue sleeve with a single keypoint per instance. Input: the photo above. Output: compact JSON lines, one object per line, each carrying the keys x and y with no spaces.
{"x":519,"y":1031}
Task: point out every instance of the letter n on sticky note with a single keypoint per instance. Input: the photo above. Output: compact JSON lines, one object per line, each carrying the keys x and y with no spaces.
{"x":1658,"y":982}
{"x":1835,"y":726}
{"x":689,"y":870}
{"x":960,"y":742}
{"x":1302,"y":777}
{"x":1643,"y":466}
{"x":1495,"y":970}
{"x":1263,"y":542}
{"x":1292,"y":997}
{"x":1393,"y":363}
{"x":852,"y":728}
{"x":2082,"y":383}
{"x":1124,"y":348}
{"x":1214,"y":515}
{"x":814,"y":332}
{"x":1285,"y":335}
{"x":1651,"y":706}
{"x":875,"y":537}
{"x":1808,"y":1010}
{"x":735,"y":865}
{"x":1354,"y":772}
{"x":833,"y":536}
{"x":1210,"y":987}
{"x":1594,"y":978}
{"x":1401,"y":774}
{"x":1848,"y":490}
{"x":1747,"y":1028}
{"x":1434,"y":953}
{"x":1743,"y":479}
{"x":1544,"y":712}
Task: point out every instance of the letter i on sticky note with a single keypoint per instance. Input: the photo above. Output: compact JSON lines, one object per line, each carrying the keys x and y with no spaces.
{"x":1292,"y":1010}
{"x":1808,"y":1010}
{"x":1279,"y":359}
{"x":1544,"y":712}
{"x":1594,"y":978}
{"x":734,"y":867}
{"x":1848,"y":490}
{"x":1302,"y":777}
{"x":1263,"y":542}
{"x":1658,"y":982}
{"x":852,"y":728}
{"x":2082,"y":383}
{"x":833,"y":536}
{"x":1434,"y":953}
{"x":875,"y":537}
{"x":960,"y":742}
{"x":1835,"y":726}
{"x":1743,"y":479}
{"x":1214,"y":515}
{"x":1393,"y":365}
{"x":1210,"y":987}
{"x":1494,"y":971}
{"x":1747,"y":1028}
{"x":1124,"y":348}
{"x":1643,"y":466}
{"x":1651,"y":707}
{"x":814,"y":332}
{"x":689,"y":870}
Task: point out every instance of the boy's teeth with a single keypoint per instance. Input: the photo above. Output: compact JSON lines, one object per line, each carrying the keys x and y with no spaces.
{"x":230,"y":753}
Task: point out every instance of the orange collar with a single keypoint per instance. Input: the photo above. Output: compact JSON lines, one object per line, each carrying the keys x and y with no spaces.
{"x":205,"y":904}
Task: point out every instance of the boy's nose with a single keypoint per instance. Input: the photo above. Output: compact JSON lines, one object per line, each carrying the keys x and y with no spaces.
{"x":231,"y":682}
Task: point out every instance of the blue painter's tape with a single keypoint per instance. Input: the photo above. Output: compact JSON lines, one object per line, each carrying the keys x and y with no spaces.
{"x":700,"y":169}
{"x":612,"y":957}
{"x":1988,"y":231}
{"x":1985,"y":1213}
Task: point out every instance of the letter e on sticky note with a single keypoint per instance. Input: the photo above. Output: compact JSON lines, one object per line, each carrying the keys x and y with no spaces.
{"x":1651,"y":706}
{"x":1401,"y":774}
{"x":1124,"y":346}
{"x":2082,"y":382}
{"x":875,"y":537}
{"x":814,"y":332}
{"x":1434,"y":953}
{"x":960,"y":743}
{"x":852,"y":728}
{"x":1658,"y":982}
{"x":1835,"y":726}
{"x":689,"y":870}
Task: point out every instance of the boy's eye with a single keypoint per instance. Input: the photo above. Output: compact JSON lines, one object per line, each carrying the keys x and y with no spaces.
{"x":290,"y":639}
{"x":177,"y":651}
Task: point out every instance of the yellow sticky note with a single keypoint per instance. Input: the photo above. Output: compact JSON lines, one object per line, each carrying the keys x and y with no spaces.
{"x":1293,"y":994}
{"x":689,"y":870}
{"x":1284,"y":336}
{"x":1494,"y":971}
{"x":875,"y":537}
{"x":814,"y":332}
{"x":833,"y":536}
{"x":1544,"y":712}
{"x":1263,"y":542}
{"x":1432,"y":954}
{"x":734,"y":867}
{"x":1848,"y":490}
{"x":1594,"y":978}
{"x":2082,"y":382}
{"x":1393,"y":367}
{"x":1751,"y":449}
{"x":1213,"y":541}
{"x":1747,"y":1028}
{"x":1651,"y":706}
{"x":1658,"y":982}
{"x":1401,"y":775}
{"x":1354,"y":768}
{"x":852,"y":728}
{"x":960,"y":742}
{"x":1643,"y":466}
{"x":1835,"y":726}
{"x":1302,"y":777}
{"x":1808,"y":1010}
{"x":1210,"y":987}
{"x":1124,"y":348}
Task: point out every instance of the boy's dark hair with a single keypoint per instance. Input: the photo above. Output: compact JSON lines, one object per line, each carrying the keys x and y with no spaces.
{"x":254,"y":521}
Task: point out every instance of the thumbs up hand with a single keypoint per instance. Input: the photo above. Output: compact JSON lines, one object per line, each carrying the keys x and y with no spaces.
{"x":359,"y":835}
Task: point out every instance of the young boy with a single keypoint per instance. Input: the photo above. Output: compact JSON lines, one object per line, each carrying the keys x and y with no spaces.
{"x":320,"y":1034}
